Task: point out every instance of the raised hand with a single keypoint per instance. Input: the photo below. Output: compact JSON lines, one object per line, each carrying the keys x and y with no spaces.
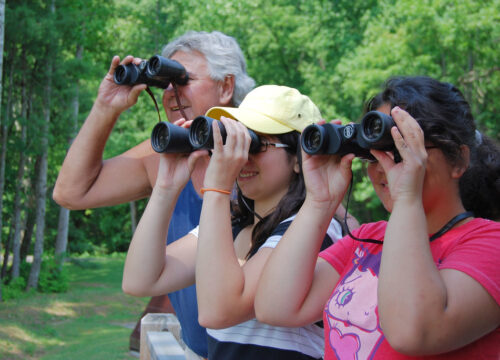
{"x":118,"y":97}
{"x":405,"y":178}
{"x":327,"y":177}
{"x":227,"y":159}
{"x":175,"y":169}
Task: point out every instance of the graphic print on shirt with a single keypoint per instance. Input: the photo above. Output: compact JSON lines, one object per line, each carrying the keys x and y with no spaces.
{"x":351,"y":311}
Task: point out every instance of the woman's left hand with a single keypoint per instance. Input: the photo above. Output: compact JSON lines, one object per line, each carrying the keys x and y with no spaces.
{"x":227,"y":159}
{"x":405,"y":178}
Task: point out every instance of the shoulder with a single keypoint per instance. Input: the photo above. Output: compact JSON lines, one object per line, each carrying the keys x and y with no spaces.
{"x":282,"y":226}
{"x":345,"y":247}
{"x":477,"y":230}
{"x":375,"y":230}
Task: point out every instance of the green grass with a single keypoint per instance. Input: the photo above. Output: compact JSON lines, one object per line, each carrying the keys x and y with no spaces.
{"x":87,"y":322}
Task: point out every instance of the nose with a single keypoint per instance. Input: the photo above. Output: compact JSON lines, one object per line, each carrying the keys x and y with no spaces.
{"x":375,"y":165}
{"x":169,"y":91}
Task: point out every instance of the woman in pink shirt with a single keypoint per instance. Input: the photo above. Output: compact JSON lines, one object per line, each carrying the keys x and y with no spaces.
{"x":424,"y":283}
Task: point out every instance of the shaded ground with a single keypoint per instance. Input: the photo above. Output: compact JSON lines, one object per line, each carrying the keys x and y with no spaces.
{"x":92,"y":320}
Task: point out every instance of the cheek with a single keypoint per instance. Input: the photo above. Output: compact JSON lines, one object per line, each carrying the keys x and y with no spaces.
{"x":371,"y":171}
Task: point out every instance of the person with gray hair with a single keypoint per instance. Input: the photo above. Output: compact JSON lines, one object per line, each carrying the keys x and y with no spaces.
{"x":217,"y":77}
{"x":224,"y":57}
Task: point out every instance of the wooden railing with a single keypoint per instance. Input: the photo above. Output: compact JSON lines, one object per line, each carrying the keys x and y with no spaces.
{"x":161,"y":338}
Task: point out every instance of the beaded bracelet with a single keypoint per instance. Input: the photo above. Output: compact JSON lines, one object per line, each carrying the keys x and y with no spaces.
{"x":203,"y":190}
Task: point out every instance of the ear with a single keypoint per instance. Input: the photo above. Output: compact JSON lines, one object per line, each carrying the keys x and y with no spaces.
{"x":459,"y":169}
{"x":296,"y":167}
{"x":226,"y":90}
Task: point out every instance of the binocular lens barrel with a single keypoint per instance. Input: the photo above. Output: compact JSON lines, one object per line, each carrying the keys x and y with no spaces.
{"x":126,"y":74}
{"x":170,"y":138}
{"x":162,"y":68}
{"x":200,"y":134}
{"x":157,"y":71}
{"x":376,"y":130}
{"x":154,"y":65}
{"x":374,"y":125}
{"x":313,"y":139}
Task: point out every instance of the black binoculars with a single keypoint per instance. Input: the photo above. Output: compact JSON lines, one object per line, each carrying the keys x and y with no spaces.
{"x":157,"y":71}
{"x":374,"y":132}
{"x":170,"y":138}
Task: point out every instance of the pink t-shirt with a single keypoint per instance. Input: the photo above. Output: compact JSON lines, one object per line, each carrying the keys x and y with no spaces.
{"x":352,"y":328}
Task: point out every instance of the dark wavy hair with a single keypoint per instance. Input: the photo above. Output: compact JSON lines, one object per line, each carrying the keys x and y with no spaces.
{"x":446,"y":119}
{"x":287,"y":206}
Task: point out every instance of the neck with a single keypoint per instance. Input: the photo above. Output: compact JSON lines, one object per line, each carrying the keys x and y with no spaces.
{"x":266,"y":206}
{"x":439,"y":217}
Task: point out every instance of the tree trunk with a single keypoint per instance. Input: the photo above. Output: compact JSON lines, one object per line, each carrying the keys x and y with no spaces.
{"x":41,"y":185}
{"x":28,"y":229}
{"x":16,"y":240}
{"x":6,"y":254}
{"x":4,"y":128}
{"x":41,"y":194}
{"x":62,"y":229}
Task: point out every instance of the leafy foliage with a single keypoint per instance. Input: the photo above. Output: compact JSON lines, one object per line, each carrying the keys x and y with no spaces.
{"x":337,"y":52}
{"x":52,"y":280}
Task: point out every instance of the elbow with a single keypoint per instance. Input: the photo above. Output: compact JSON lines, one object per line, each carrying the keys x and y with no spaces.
{"x":270,"y":316}
{"x":60,"y":197}
{"x":265,"y":312}
{"x":406,"y":340}
{"x":127,"y":289}
{"x":131,"y":289}
{"x":221,"y":316}
{"x":264,"y":316}
{"x":405,"y":346}
{"x":214,"y":320}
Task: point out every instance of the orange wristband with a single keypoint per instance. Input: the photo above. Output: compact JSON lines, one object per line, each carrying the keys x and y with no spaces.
{"x":203,"y":190}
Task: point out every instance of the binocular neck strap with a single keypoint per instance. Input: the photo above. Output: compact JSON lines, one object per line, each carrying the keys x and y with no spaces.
{"x":174,"y":85}
{"x":148,"y":90}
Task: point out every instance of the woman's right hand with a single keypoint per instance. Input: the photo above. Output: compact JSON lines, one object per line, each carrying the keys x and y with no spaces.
{"x":118,"y":97}
{"x":327,"y":177}
{"x":175,"y":169}
{"x":227,"y":158}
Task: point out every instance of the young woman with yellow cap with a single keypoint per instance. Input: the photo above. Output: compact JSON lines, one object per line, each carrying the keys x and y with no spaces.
{"x":226,"y":253}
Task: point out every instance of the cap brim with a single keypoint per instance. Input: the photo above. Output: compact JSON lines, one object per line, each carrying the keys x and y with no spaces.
{"x":251,"y":119}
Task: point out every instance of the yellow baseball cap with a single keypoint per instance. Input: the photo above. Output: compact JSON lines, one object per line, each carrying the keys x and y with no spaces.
{"x":272,"y":109}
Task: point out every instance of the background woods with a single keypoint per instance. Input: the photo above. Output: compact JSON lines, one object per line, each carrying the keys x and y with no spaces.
{"x":55,"y":53}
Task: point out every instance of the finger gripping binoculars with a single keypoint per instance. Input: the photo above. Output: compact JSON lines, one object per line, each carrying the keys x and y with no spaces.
{"x":156,"y":72}
{"x":374,"y":132}
{"x":170,"y":138}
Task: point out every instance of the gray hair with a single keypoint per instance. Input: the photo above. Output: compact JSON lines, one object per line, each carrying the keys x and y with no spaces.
{"x":223,"y":54}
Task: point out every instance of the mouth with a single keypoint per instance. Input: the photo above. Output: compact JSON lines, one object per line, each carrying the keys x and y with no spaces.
{"x":247,"y":174}
{"x":177,"y":108}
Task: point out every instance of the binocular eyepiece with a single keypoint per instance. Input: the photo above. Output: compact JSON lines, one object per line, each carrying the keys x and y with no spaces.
{"x":157,"y":71}
{"x":374,"y":132}
{"x":171,"y":138}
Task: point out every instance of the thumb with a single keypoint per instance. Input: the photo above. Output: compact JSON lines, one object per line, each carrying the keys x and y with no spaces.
{"x":194,"y":157}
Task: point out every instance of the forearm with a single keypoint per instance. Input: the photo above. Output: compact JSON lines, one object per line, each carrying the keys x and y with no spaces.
{"x":285,"y":287}
{"x":412,"y":296}
{"x":146,"y":256}
{"x":220,"y":280}
{"x":350,"y":220}
{"x":83,"y":161}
